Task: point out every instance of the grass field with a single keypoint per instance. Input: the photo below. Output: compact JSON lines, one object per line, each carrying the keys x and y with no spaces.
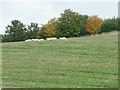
{"x":85,"y":62}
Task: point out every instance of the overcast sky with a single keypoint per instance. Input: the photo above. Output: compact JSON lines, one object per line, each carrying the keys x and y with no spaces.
{"x":28,"y":11}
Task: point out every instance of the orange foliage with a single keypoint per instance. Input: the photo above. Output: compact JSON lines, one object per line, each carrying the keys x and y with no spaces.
{"x":49,"y":30}
{"x":93,"y":24}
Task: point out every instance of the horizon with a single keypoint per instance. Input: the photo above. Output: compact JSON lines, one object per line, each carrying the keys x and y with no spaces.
{"x":41,"y":12}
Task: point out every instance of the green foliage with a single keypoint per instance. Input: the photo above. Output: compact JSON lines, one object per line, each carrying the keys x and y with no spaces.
{"x":1,"y":38}
{"x":83,"y":19}
{"x":68,"y":24}
{"x":15,"y":32}
{"x":7,"y":38}
{"x":118,"y":24}
{"x":32,"y":30}
{"x":110,"y":25}
{"x":41,"y":34}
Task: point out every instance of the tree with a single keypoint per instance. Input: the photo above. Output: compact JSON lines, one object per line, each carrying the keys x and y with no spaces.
{"x":110,"y":25}
{"x":49,"y":29}
{"x":16,"y":31}
{"x":32,"y":30}
{"x":1,"y":38}
{"x":40,"y":34}
{"x":83,"y":20}
{"x":69,"y":24}
{"x":93,"y":24}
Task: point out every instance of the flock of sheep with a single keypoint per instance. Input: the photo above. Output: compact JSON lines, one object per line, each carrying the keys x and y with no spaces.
{"x":49,"y":39}
{"x":61,"y":38}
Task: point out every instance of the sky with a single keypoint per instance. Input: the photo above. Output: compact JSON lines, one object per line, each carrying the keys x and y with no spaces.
{"x":40,"y":11}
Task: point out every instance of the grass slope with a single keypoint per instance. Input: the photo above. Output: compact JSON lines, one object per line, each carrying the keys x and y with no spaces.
{"x":83,"y":62}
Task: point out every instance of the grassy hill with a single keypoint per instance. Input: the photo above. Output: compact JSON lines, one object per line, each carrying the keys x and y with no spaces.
{"x":83,"y":62}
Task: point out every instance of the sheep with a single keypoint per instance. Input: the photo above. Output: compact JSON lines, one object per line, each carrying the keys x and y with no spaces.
{"x":102,"y":33}
{"x":28,"y":40}
{"x":97,"y":35}
{"x":62,"y":38}
{"x":41,"y":39}
{"x":50,"y":39}
{"x":35,"y":40}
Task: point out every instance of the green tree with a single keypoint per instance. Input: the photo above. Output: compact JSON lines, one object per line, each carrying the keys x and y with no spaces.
{"x":83,"y":20}
{"x":32,"y":30}
{"x":15,"y":32}
{"x":110,"y":25}
{"x":69,"y":24}
{"x":40,"y":34}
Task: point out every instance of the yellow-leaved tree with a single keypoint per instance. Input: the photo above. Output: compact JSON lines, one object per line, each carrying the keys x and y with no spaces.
{"x":49,"y":29}
{"x":93,"y":24}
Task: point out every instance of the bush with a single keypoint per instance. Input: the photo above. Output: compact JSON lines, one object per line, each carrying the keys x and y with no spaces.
{"x":110,"y":25}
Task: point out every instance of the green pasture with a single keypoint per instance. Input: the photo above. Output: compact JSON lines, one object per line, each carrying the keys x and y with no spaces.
{"x":84,"y":62}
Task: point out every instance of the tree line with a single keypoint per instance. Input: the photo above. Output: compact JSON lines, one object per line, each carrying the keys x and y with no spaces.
{"x":69,"y":24}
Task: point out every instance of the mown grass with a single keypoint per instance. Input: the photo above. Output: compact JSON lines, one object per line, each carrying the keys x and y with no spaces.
{"x":83,"y":62}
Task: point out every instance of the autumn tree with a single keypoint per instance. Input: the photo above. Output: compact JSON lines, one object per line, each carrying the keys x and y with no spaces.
{"x":49,"y":29}
{"x":93,"y":24}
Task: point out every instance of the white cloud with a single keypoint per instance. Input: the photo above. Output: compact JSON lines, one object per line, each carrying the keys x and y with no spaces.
{"x":27,"y":12}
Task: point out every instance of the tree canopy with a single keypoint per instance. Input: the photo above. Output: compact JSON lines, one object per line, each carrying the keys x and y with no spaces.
{"x":94,"y":24}
{"x":110,"y":25}
{"x":16,"y":31}
{"x":69,"y":24}
{"x":32,"y":30}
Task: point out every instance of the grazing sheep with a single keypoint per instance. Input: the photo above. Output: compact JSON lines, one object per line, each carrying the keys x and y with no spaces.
{"x":62,"y":38}
{"x":115,"y":31}
{"x":41,"y":39}
{"x":50,"y":39}
{"x":28,"y":40}
{"x":91,"y":35}
{"x":35,"y":40}
{"x":102,"y":33}
{"x":97,"y":35}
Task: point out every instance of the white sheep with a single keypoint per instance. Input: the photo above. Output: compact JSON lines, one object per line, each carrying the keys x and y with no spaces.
{"x":36,"y":40}
{"x":102,"y":33}
{"x":50,"y":39}
{"x":97,"y":35}
{"x":28,"y":40}
{"x":62,"y":38}
{"x":41,"y":39}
